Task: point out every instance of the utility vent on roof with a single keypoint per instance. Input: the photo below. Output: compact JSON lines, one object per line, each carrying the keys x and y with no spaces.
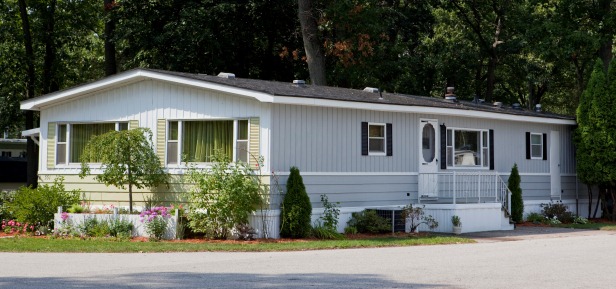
{"x":498,"y":104}
{"x":538,"y":107}
{"x":299,"y":83}
{"x":371,"y":89}
{"x":450,"y":95}
{"x":226,"y":75}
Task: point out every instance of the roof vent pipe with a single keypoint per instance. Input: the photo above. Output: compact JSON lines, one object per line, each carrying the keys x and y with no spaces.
{"x":226,"y":75}
{"x":299,"y":83}
{"x":450,"y":95}
{"x":538,"y":107}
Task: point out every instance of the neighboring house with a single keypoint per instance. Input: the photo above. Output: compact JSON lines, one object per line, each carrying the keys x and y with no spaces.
{"x":12,"y":163}
{"x":364,"y":149}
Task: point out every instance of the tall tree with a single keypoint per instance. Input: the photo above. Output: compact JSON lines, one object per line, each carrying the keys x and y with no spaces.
{"x":110,"y":48}
{"x":312,"y":42}
{"x":31,"y":148}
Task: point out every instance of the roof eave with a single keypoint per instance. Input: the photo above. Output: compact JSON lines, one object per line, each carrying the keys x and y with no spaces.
{"x":133,"y":76}
{"x":419,"y":109}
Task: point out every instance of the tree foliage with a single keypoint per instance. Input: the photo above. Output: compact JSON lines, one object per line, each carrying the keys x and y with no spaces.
{"x":223,"y":197}
{"x":127,"y":159}
{"x":517,"y":203}
{"x":296,"y":209}
{"x":595,"y":136}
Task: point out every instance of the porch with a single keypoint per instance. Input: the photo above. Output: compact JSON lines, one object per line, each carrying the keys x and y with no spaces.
{"x":482,"y":200}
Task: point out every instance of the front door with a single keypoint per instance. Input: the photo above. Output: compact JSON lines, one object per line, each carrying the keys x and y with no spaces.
{"x":555,"y":165}
{"x":428,"y":158}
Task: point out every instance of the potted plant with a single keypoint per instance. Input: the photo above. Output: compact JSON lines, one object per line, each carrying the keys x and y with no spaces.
{"x":457,"y":224}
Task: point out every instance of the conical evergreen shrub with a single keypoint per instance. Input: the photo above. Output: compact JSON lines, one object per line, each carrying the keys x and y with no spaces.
{"x":296,"y":208}
{"x":517,"y":204}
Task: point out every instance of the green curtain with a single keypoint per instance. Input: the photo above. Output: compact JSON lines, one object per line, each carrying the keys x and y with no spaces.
{"x":81,"y":135}
{"x":202,"y":138}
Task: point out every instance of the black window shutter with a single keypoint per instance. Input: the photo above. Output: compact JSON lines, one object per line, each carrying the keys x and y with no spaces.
{"x":364,"y":138}
{"x":491,"y":144}
{"x":545,"y":146}
{"x":528,"y":145}
{"x":443,"y":147}
{"x":389,"y":140}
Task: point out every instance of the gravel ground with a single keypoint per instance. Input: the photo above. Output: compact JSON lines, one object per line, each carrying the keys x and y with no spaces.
{"x":525,"y":258}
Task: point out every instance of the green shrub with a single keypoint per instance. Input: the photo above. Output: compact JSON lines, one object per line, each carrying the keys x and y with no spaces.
{"x":37,"y":206}
{"x":535,"y":218}
{"x":6,"y":197}
{"x":222,"y":198}
{"x":120,"y":228}
{"x":557,"y":210}
{"x":416,"y":217}
{"x":350,"y":230}
{"x":93,"y":227}
{"x":580,"y":220}
{"x":296,"y":208}
{"x":76,"y":209}
{"x":368,"y":221}
{"x":321,"y":231}
{"x":517,"y":203}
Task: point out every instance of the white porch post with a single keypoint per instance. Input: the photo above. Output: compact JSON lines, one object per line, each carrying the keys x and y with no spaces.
{"x":454,"y":188}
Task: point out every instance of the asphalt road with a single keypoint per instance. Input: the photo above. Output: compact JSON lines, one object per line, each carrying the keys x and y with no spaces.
{"x":557,"y":261}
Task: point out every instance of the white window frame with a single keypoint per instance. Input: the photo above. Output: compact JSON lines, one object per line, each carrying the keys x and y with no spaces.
{"x":378,"y":153}
{"x":69,"y":126}
{"x":181,"y":136}
{"x":483,"y":134}
{"x":541,"y":144}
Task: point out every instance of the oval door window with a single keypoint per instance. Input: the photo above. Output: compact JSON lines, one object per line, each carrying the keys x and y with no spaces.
{"x":427,"y":143}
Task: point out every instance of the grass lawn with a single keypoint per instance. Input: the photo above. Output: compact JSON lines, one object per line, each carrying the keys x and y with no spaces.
{"x":31,"y":244}
{"x":590,"y":226}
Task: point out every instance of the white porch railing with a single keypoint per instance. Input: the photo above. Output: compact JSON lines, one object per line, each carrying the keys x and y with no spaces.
{"x":464,"y":187}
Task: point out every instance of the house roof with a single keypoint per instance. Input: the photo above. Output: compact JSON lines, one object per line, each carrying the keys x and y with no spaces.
{"x":289,"y":93}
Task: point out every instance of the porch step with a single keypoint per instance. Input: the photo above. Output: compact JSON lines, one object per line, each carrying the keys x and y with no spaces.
{"x":506,"y":223}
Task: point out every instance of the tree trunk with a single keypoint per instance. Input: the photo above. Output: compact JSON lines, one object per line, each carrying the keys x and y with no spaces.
{"x":312,"y":45}
{"x":31,"y":148}
{"x":490,"y":79}
{"x":110,"y":49}
{"x":589,"y":200}
{"x":50,"y":55}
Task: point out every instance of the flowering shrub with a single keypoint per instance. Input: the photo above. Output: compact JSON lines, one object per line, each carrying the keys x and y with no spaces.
{"x":66,"y":228}
{"x":13,"y":226}
{"x":155,"y":222}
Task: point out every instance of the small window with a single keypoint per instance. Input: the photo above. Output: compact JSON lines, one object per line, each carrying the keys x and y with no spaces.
{"x":241,"y":147}
{"x":6,"y":154}
{"x":122,"y":126}
{"x":61,"y":155}
{"x":376,"y":139}
{"x":172,"y":143}
{"x":536,"y":146}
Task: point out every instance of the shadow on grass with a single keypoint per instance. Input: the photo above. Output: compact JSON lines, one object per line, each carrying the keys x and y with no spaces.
{"x":211,"y":280}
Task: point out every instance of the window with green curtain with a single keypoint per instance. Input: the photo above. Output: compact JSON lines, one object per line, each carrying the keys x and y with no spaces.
{"x":202,"y":138}
{"x":80,"y":134}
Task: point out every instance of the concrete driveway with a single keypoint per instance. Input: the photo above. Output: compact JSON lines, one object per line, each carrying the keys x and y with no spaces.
{"x":539,"y":260}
